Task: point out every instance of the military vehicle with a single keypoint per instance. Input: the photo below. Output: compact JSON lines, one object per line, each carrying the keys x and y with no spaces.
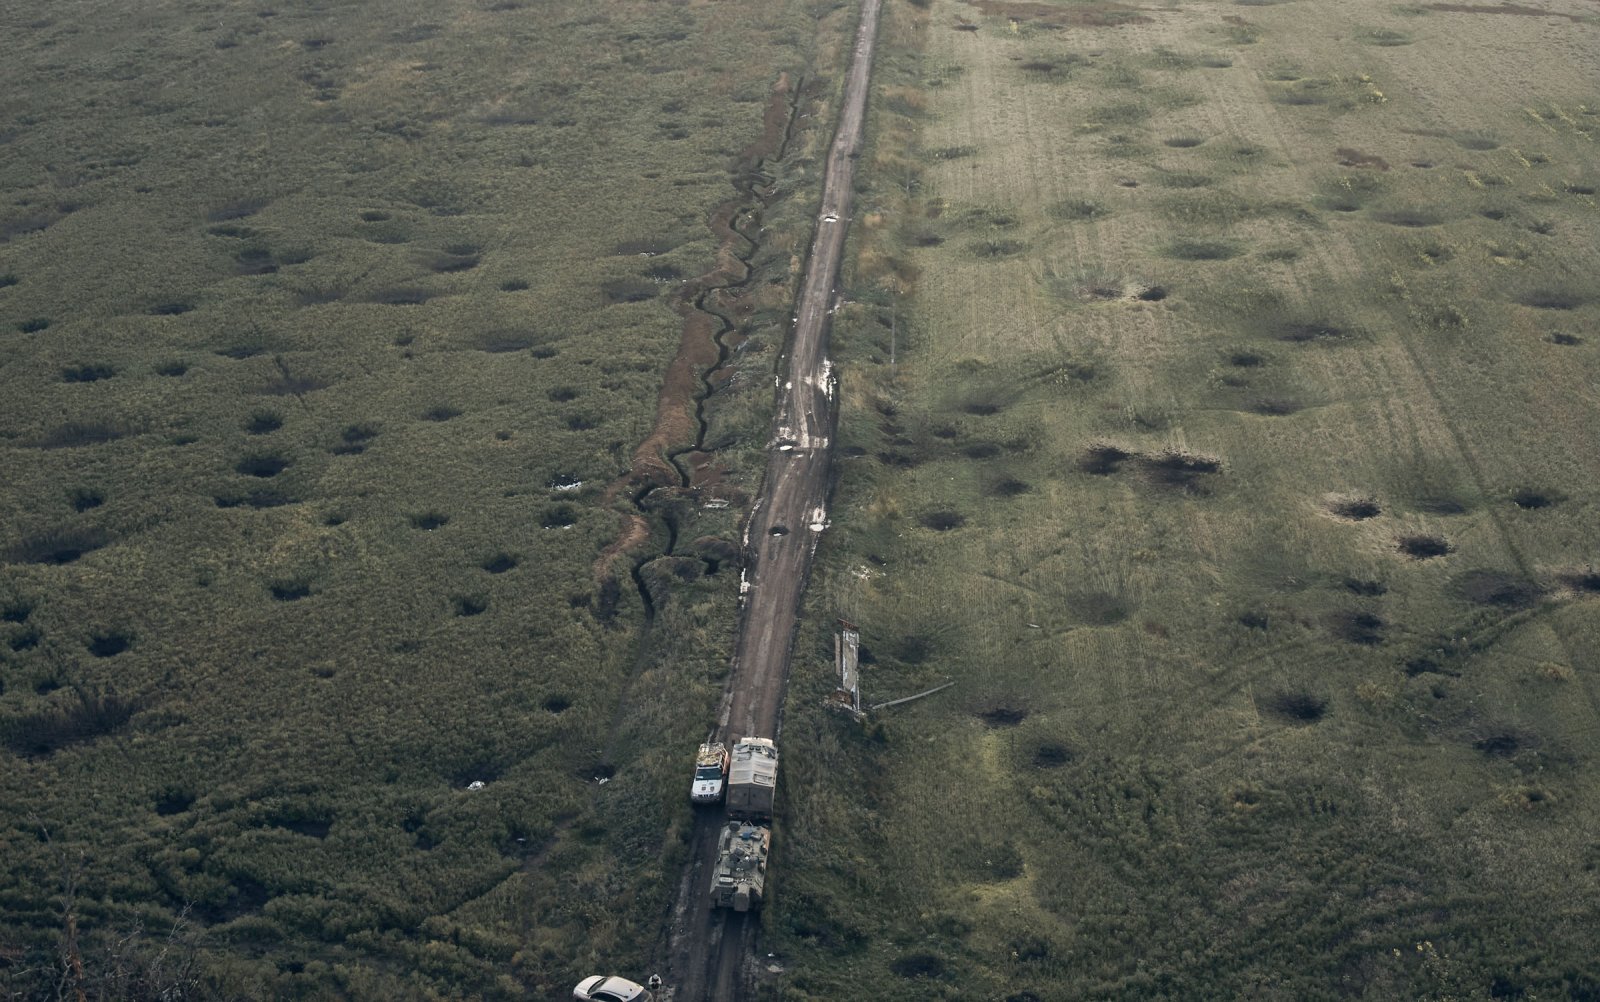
{"x":710,"y":771}
{"x":740,"y":878}
{"x":752,"y":779}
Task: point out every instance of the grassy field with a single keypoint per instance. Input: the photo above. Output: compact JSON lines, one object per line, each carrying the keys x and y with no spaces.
{"x":323,"y":329}
{"x":1219,"y":415}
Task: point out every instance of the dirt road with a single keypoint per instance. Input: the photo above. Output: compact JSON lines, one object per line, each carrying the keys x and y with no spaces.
{"x":710,"y":953}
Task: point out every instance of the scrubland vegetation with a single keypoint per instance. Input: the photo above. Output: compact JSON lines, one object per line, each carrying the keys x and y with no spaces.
{"x":1218,"y":413}
{"x":323,"y":330}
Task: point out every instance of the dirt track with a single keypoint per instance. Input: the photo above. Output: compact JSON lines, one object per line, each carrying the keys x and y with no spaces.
{"x":710,"y":955}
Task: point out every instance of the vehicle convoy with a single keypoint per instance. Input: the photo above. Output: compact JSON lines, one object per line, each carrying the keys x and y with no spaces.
{"x":710,"y":773}
{"x":752,"y":779}
{"x":740,"y":878}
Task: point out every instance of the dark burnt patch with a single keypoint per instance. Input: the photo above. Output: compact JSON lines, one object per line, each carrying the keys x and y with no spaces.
{"x":1008,"y":487}
{"x":1275,"y":406}
{"x":469,"y":605}
{"x":263,"y":465}
{"x":289,"y":590}
{"x":62,"y":546}
{"x":1553,"y":299}
{"x":1423,"y":547}
{"x":1503,"y":741}
{"x":1529,"y":499}
{"x":1355,"y":509}
{"x":109,"y":644}
{"x":1003,"y":716}
{"x":1565,"y":340}
{"x":1349,"y":157}
{"x":1051,"y":755}
{"x":1584,"y":581}
{"x":1099,"y":608}
{"x":981,"y":450}
{"x":1498,"y":589}
{"x":87,"y":373}
{"x":428,"y":521}
{"x":1299,"y":707}
{"x":500,"y":563}
{"x":942,"y":521}
{"x":1364,"y":628}
{"x":1102,"y":460}
{"x":1365,"y":588}
{"x":1254,"y":619}
{"x":1180,"y":471}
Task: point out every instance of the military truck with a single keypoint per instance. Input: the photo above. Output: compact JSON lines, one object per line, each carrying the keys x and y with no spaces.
{"x":752,"y":779}
{"x":710,"y":771}
{"x":740,"y":878}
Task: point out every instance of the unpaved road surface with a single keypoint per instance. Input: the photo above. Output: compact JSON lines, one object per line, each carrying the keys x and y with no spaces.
{"x":710,"y":953}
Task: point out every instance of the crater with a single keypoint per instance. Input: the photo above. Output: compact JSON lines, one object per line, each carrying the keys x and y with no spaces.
{"x":1299,"y":707}
{"x":429,"y":520}
{"x":289,"y":591}
{"x":109,"y":644}
{"x":469,"y":605}
{"x":262,"y":466}
{"x":500,"y":563}
{"x":1052,"y":756}
{"x":1532,"y":500}
{"x":1355,"y":509}
{"x":943,"y":521}
{"x":1423,"y":547}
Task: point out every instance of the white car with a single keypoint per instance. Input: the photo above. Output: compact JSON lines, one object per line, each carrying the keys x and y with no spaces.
{"x":613,"y":989}
{"x":710,"y":771}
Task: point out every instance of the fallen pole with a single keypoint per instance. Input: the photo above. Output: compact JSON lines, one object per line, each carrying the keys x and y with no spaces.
{"x":907,"y":699}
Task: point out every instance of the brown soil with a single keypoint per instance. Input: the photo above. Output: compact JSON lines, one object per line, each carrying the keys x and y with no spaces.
{"x":1349,"y":157}
{"x":1089,"y":15}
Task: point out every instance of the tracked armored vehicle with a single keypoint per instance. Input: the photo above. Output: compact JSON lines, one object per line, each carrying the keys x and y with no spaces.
{"x":740,"y":878}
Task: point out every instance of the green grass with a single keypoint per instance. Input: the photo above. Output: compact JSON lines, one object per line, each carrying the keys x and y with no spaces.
{"x":1264,"y":598}
{"x":323,"y":331}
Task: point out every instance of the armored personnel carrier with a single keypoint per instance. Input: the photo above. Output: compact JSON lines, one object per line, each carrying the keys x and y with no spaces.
{"x":740,"y":878}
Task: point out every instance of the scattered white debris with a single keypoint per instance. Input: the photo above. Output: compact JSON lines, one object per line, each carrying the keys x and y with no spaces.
{"x":716,"y":504}
{"x":602,"y":780}
{"x":744,"y":583}
{"x":567,"y":487}
{"x":1034,"y":626}
{"x":476,"y":784}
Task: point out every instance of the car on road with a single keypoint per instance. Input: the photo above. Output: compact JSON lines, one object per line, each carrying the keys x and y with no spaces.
{"x":611,"y":989}
{"x":710,"y":770}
